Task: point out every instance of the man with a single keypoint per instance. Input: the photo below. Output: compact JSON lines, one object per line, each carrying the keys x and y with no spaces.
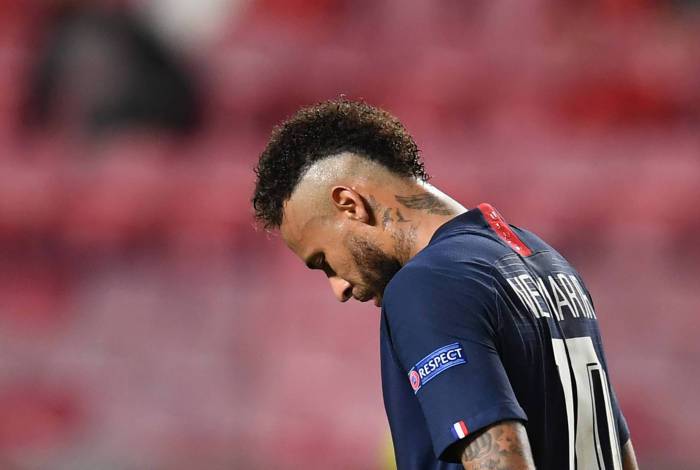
{"x":490,"y":348}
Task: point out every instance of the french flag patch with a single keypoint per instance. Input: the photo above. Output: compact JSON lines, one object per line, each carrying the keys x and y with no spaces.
{"x":459,"y":430}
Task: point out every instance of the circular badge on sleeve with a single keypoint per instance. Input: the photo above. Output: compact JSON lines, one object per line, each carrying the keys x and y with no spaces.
{"x":414,"y":378}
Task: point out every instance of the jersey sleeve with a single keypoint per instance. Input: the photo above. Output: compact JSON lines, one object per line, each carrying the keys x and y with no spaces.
{"x":444,"y":328}
{"x":622,"y":428}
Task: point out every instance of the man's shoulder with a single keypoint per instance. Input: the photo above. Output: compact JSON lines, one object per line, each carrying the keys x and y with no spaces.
{"x":441,"y":271}
{"x":461,"y":261}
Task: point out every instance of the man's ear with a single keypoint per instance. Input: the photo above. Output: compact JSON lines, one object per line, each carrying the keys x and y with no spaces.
{"x":350,"y":203}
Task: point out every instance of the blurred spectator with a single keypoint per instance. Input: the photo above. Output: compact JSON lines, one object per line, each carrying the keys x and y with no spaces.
{"x":99,"y":69}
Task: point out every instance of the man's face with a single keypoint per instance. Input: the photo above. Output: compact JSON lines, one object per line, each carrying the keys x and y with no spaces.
{"x":349,"y":252}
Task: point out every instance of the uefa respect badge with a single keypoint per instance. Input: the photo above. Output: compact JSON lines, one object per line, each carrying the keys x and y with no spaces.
{"x":435,"y":364}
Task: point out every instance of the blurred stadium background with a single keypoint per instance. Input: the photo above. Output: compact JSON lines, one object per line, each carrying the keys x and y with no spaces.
{"x":146,"y":324}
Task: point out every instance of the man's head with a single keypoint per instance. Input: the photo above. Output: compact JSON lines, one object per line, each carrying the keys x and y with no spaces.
{"x":335,"y":179}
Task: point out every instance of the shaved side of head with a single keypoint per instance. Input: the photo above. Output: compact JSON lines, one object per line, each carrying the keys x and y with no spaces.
{"x":344,"y":169}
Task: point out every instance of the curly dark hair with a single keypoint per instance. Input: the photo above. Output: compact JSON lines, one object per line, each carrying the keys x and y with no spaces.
{"x":323,"y":130}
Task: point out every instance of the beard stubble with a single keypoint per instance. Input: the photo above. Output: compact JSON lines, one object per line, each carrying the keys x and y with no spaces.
{"x":376,"y":268}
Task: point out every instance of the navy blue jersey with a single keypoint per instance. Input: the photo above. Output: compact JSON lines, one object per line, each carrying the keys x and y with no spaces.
{"x":489,"y":323}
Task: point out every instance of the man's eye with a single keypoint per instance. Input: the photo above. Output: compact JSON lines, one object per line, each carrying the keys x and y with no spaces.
{"x":316,"y":262}
{"x":320,"y":263}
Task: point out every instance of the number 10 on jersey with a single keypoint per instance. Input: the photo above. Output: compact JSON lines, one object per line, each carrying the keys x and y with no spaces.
{"x":593,"y":436}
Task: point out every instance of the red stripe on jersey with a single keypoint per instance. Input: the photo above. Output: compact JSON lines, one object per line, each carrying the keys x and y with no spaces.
{"x":503,"y":230}
{"x":464,"y":428}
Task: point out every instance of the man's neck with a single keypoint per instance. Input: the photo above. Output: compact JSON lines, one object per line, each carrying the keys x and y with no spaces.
{"x":421,"y":211}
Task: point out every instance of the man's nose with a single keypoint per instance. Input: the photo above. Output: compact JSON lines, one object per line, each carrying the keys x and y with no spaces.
{"x":341,"y":288}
